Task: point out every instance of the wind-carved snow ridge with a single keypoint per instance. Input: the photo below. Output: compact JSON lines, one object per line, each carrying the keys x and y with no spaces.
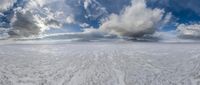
{"x":100,"y":64}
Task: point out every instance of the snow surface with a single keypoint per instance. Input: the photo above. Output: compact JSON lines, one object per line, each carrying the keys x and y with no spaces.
{"x":119,"y":63}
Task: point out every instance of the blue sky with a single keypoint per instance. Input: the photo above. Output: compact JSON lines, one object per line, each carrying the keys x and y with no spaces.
{"x":184,"y":11}
{"x":80,"y":14}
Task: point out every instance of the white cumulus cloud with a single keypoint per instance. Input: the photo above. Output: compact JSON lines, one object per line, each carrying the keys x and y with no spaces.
{"x":5,"y":4}
{"x":189,"y":31}
{"x":135,"y":21}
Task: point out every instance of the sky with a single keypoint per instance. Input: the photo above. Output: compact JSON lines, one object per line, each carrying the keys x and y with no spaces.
{"x":121,"y":18}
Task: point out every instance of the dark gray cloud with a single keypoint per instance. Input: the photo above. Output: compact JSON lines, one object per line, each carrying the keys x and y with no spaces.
{"x":24,"y":26}
{"x":33,"y":18}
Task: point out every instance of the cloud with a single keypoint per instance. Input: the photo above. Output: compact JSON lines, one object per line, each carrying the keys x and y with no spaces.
{"x":32,"y":17}
{"x":6,"y":4}
{"x":28,"y":24}
{"x":89,"y":34}
{"x":25,"y":25}
{"x":70,"y":20}
{"x":84,"y":25}
{"x":35,"y":17}
{"x":135,"y":21}
{"x":3,"y":33}
{"x":188,"y":31}
{"x":86,"y":3}
{"x":94,"y":9}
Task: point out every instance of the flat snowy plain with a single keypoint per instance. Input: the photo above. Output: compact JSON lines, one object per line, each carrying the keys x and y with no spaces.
{"x":118,"y":63}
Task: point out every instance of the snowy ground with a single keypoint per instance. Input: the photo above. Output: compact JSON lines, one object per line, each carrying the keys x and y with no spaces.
{"x":100,"y":64}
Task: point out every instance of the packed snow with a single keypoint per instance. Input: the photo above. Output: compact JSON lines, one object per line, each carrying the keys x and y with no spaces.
{"x":117,"y":63}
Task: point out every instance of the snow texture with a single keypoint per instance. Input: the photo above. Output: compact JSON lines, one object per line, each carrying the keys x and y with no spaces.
{"x":100,"y":64}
